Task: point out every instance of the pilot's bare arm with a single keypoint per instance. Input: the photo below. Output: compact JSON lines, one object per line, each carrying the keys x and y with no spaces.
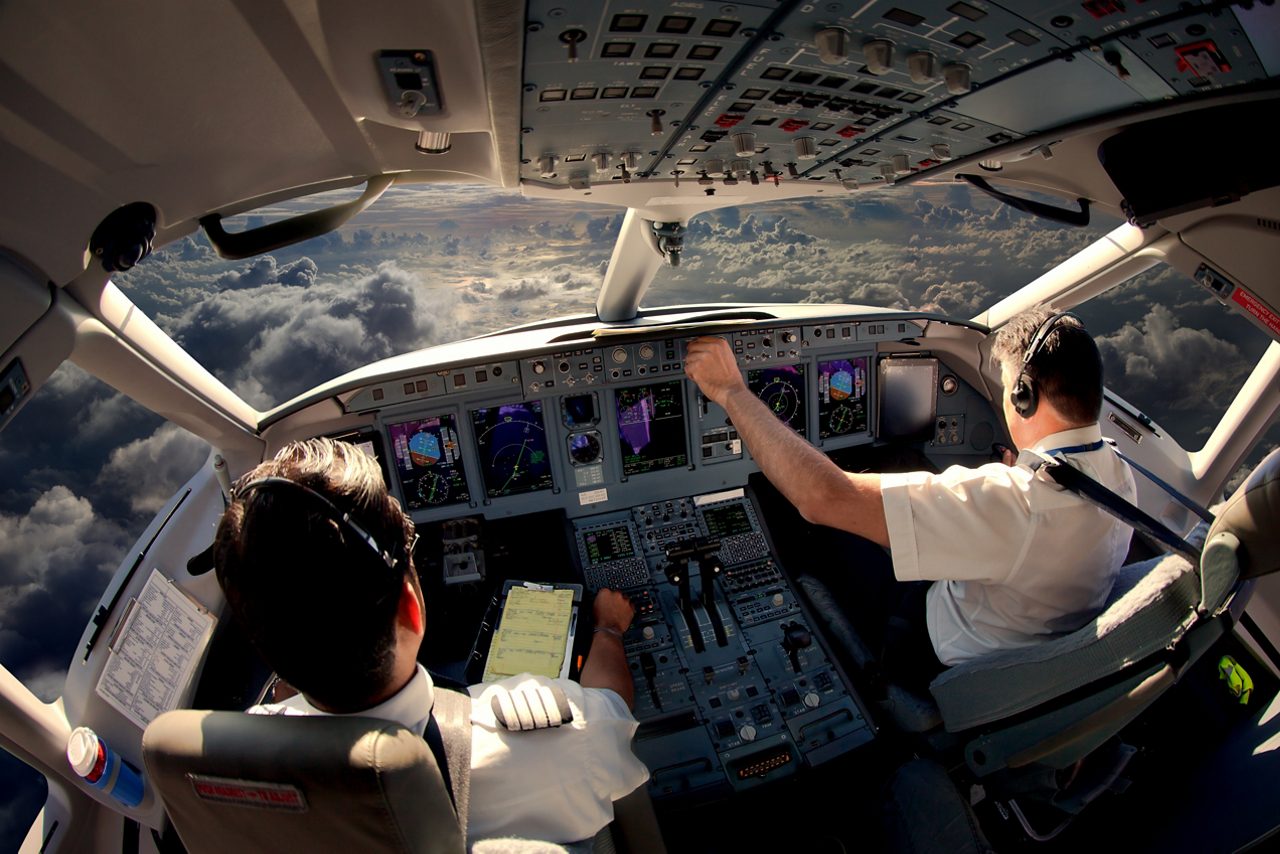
{"x":606,"y":665}
{"x":820,"y":490}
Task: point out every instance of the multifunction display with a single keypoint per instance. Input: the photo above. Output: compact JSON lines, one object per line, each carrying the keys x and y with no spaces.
{"x":842,"y":397}
{"x":781,"y":389}
{"x":608,"y":544}
{"x":726,"y":520}
{"x":428,"y":460}
{"x":651,"y":427}
{"x":512,"y":443}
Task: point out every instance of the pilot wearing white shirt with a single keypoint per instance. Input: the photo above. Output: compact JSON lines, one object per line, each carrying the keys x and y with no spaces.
{"x":997,"y":556}
{"x":299,"y":555}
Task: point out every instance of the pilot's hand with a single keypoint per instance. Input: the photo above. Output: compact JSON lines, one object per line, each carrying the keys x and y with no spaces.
{"x":710,"y":363}
{"x":613,"y":610}
{"x":1007,"y":455}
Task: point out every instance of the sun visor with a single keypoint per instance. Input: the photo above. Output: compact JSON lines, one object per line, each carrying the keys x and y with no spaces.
{"x":1185,"y":162}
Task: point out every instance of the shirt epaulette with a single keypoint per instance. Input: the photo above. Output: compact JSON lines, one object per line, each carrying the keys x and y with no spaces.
{"x":534,"y":707}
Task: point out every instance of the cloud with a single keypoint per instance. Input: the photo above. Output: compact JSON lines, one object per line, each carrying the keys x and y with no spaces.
{"x":154,"y":466}
{"x":263,"y":271}
{"x":55,"y":561}
{"x":1193,"y":368}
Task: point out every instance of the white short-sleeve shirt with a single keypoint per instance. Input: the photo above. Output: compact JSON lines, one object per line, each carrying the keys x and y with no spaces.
{"x":554,"y":785}
{"x":1018,"y":559}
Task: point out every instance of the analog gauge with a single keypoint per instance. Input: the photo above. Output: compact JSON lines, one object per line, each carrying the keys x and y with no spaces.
{"x":584,"y":448}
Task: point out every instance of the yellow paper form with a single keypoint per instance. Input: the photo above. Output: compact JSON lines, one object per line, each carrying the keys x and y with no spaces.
{"x":532,"y":635}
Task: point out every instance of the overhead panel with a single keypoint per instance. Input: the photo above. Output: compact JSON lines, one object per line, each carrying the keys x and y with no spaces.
{"x":859,"y":93}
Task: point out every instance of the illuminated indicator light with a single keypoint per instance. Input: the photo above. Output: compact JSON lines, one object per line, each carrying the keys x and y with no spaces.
{"x":699,"y":148}
{"x":617,"y":50}
{"x":728,"y":121}
{"x":1102,"y":8}
{"x":793,"y":125}
{"x":849,"y":131}
{"x":1203,"y":59}
{"x":962,"y":126}
{"x":689,"y":72}
{"x":927,"y":162}
{"x":686,"y":161}
{"x":829,"y":142}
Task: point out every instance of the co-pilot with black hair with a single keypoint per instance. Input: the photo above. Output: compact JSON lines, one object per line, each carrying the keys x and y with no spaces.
{"x":995,"y":557}
{"x":316,"y":560}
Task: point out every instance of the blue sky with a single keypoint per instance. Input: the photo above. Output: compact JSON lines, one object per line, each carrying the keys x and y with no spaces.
{"x":83,"y":468}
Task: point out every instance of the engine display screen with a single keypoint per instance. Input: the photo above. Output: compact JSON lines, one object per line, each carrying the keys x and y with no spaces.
{"x":781,"y":388}
{"x":608,"y":544}
{"x":842,"y":397}
{"x":429,"y":462}
{"x":908,"y":398}
{"x":512,"y":443}
{"x":651,"y":427}
{"x":727,"y":521}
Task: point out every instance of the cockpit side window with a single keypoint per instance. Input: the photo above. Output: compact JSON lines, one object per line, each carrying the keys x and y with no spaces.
{"x":1173,"y":352}
{"x":83,"y":470}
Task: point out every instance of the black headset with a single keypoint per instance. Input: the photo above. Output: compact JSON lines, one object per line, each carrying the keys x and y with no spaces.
{"x":1025,"y":397}
{"x":383,"y":557}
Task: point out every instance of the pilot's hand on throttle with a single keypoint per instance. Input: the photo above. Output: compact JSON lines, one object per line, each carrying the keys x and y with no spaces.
{"x":613,"y":610}
{"x":710,"y":363}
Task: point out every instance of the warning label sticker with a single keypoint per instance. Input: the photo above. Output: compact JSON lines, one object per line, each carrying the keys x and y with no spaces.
{"x":1258,"y":309}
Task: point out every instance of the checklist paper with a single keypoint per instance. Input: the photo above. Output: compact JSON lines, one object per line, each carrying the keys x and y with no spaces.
{"x":154,"y":651}
{"x":533,"y":634}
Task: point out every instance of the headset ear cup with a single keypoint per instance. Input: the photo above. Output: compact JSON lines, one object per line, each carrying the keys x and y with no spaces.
{"x":1023,"y":397}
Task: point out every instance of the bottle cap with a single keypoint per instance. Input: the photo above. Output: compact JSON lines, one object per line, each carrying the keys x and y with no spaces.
{"x":82,"y":750}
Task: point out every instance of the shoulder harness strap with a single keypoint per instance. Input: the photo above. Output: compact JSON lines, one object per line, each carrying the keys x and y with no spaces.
{"x":449,"y":733}
{"x":535,"y":707}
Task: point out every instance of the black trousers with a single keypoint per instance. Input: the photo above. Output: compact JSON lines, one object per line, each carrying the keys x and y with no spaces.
{"x":889,"y":615}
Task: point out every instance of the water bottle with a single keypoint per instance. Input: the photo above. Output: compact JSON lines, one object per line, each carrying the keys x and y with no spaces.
{"x":102,"y":768}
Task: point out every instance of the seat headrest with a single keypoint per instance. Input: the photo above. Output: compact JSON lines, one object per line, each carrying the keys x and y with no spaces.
{"x":1252,"y":514}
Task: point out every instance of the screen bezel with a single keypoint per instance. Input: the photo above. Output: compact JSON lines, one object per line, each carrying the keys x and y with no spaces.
{"x":684,"y":428}
{"x":461,"y":463}
{"x":868,"y":396}
{"x":801,"y":369}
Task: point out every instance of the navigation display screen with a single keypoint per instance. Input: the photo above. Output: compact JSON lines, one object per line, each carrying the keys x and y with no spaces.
{"x":512,"y":443}
{"x":782,"y":390}
{"x":428,"y":460}
{"x":908,"y":398}
{"x":842,"y":397}
{"x":727,"y":520}
{"x":608,"y":544}
{"x":651,"y":427}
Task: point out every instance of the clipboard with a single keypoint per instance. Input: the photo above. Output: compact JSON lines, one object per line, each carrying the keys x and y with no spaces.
{"x":534,"y":631}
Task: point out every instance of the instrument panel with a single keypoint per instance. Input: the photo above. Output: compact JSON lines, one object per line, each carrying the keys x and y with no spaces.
{"x":582,"y":428}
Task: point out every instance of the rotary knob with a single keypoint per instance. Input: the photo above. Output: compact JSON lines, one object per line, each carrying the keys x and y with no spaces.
{"x":539,"y":367}
{"x":734,"y":693}
{"x":788,"y":338}
{"x":747,"y":732}
{"x":778,"y":600}
{"x":812,"y":700}
{"x":648,"y":633}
